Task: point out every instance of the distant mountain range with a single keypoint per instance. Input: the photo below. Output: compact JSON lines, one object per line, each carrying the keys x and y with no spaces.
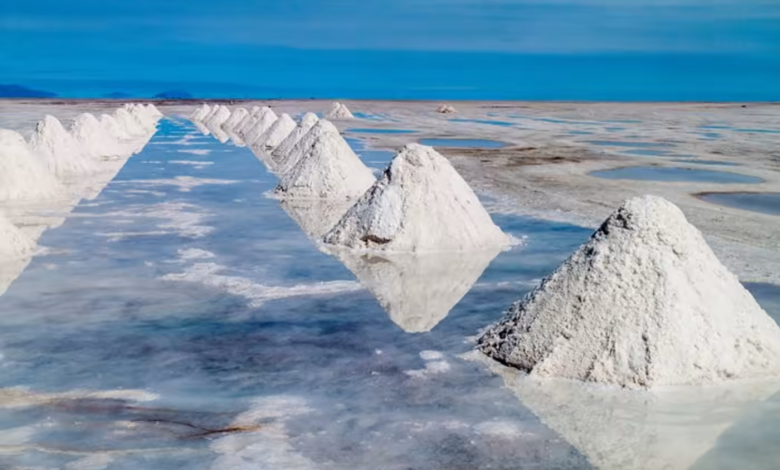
{"x":19,"y":91}
{"x":174,"y":95}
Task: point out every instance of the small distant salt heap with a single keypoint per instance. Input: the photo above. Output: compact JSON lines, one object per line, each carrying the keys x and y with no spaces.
{"x":93,"y":138}
{"x":276,"y":134}
{"x":446,"y":109}
{"x":23,"y":177}
{"x":201,"y":112}
{"x":643,"y":303}
{"x":13,"y":243}
{"x":59,"y":150}
{"x":283,"y":149}
{"x":339,"y":111}
{"x":263,"y":121}
{"x":238,"y":115}
{"x":420,"y":204}
{"x":326,"y":167}
{"x":217,"y":118}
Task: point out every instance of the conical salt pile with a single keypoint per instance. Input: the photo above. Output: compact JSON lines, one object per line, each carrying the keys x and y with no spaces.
{"x":218,"y":118}
{"x":235,"y":118}
{"x":129,"y":123}
{"x":59,"y":151}
{"x":262,"y":122}
{"x":339,"y":111}
{"x":142,"y":115}
{"x":417,"y":290}
{"x":153,"y":111}
{"x":113,"y":128}
{"x":419,"y":204}
{"x":643,"y":303}
{"x":446,"y":109}
{"x":201,"y":112}
{"x":276,"y":134}
{"x":326,"y":167}
{"x":93,"y":138}
{"x":282,"y":150}
{"x":23,"y":176}
{"x":246,"y":124}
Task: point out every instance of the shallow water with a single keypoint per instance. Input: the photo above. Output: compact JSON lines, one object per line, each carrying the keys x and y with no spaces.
{"x":464,"y":143}
{"x":646,"y":152}
{"x":491,"y":122}
{"x":185,"y":320}
{"x":653,"y":173}
{"x":767,"y":203}
{"x":380,"y":131}
{"x":618,"y":143}
{"x":697,"y":161}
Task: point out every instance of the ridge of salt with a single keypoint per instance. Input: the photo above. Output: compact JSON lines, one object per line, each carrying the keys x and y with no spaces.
{"x":276,"y":134}
{"x":643,"y":303}
{"x":128,"y":122}
{"x":216,"y":120}
{"x":60,"y":152}
{"x":23,"y":176}
{"x":326,"y":167}
{"x":201,"y":112}
{"x":283,"y":149}
{"x":264,"y":120}
{"x":93,"y":138}
{"x":235,"y":118}
{"x":419,"y":204}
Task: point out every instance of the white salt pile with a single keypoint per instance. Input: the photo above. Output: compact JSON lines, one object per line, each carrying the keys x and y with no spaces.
{"x":152,"y":110}
{"x":326,"y":167}
{"x":201,"y":112}
{"x":261,"y":123}
{"x":643,"y":303}
{"x":283,"y":149}
{"x":417,"y":291}
{"x":276,"y":134}
{"x":446,"y":109}
{"x":113,"y":128}
{"x":59,"y":150}
{"x":421,"y":204}
{"x":13,"y":243}
{"x":238,"y":115}
{"x":95,"y":142}
{"x":129,"y":123}
{"x":143,"y":115}
{"x":246,"y":124}
{"x":23,"y":176}
{"x":339,"y":111}
{"x":217,"y":118}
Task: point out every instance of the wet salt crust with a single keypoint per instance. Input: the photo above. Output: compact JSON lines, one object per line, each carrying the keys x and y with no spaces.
{"x":144,"y":373}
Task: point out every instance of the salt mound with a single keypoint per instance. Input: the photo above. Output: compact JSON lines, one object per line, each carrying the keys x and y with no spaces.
{"x":129,"y":123}
{"x":93,"y":138}
{"x":326,"y":167}
{"x":13,"y":243}
{"x":218,"y":118}
{"x":339,"y":111}
{"x":446,"y":109}
{"x":142,"y":115}
{"x":643,"y":303}
{"x":235,"y":118}
{"x":246,"y":124}
{"x":276,"y":134}
{"x":264,"y":120}
{"x":113,"y":128}
{"x":59,"y":151}
{"x":201,"y":112}
{"x":152,"y":110}
{"x":283,"y":149}
{"x":316,"y":216}
{"x":417,"y":291}
{"x":23,"y":176}
{"x":419,"y":204}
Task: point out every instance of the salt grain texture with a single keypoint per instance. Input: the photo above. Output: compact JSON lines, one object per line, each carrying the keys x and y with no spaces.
{"x":23,"y":176}
{"x":339,"y":111}
{"x":643,"y":303}
{"x":59,"y":150}
{"x":326,"y":168}
{"x":276,"y":134}
{"x":235,"y":118}
{"x":264,"y":120}
{"x":307,"y":122}
{"x":93,"y":138}
{"x":422,"y":204}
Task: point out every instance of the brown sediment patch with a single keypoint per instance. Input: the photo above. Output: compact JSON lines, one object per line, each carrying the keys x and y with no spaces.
{"x":199,"y":432}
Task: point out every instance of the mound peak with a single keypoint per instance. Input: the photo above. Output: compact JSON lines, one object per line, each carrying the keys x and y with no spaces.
{"x":283,"y":149}
{"x":59,"y":150}
{"x":339,"y":111}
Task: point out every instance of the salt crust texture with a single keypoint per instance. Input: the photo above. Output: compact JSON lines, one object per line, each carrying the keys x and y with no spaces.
{"x":284,"y":157}
{"x":23,"y":176}
{"x":59,"y":150}
{"x":262,"y":122}
{"x":326,"y":167}
{"x":276,"y":134}
{"x":339,"y":111}
{"x":643,"y":303}
{"x":422,"y":204}
{"x":283,"y":149}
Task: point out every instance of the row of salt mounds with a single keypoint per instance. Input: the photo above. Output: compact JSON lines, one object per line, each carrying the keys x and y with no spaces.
{"x":339,"y":111}
{"x":23,"y":177}
{"x":419,"y":204}
{"x":262,"y":121}
{"x":643,"y":303}
{"x":94,"y":139}
{"x":276,"y":134}
{"x":61,"y":152}
{"x":238,"y":115}
{"x":217,"y":118}
{"x":201,"y":112}
{"x":242,"y":127}
{"x":326,"y":167}
{"x":284,"y":149}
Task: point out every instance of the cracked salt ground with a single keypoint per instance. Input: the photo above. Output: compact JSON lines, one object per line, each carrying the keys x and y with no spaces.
{"x":129,"y":361}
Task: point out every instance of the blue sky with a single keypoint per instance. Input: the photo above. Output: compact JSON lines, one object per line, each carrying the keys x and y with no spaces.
{"x":320,"y":47}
